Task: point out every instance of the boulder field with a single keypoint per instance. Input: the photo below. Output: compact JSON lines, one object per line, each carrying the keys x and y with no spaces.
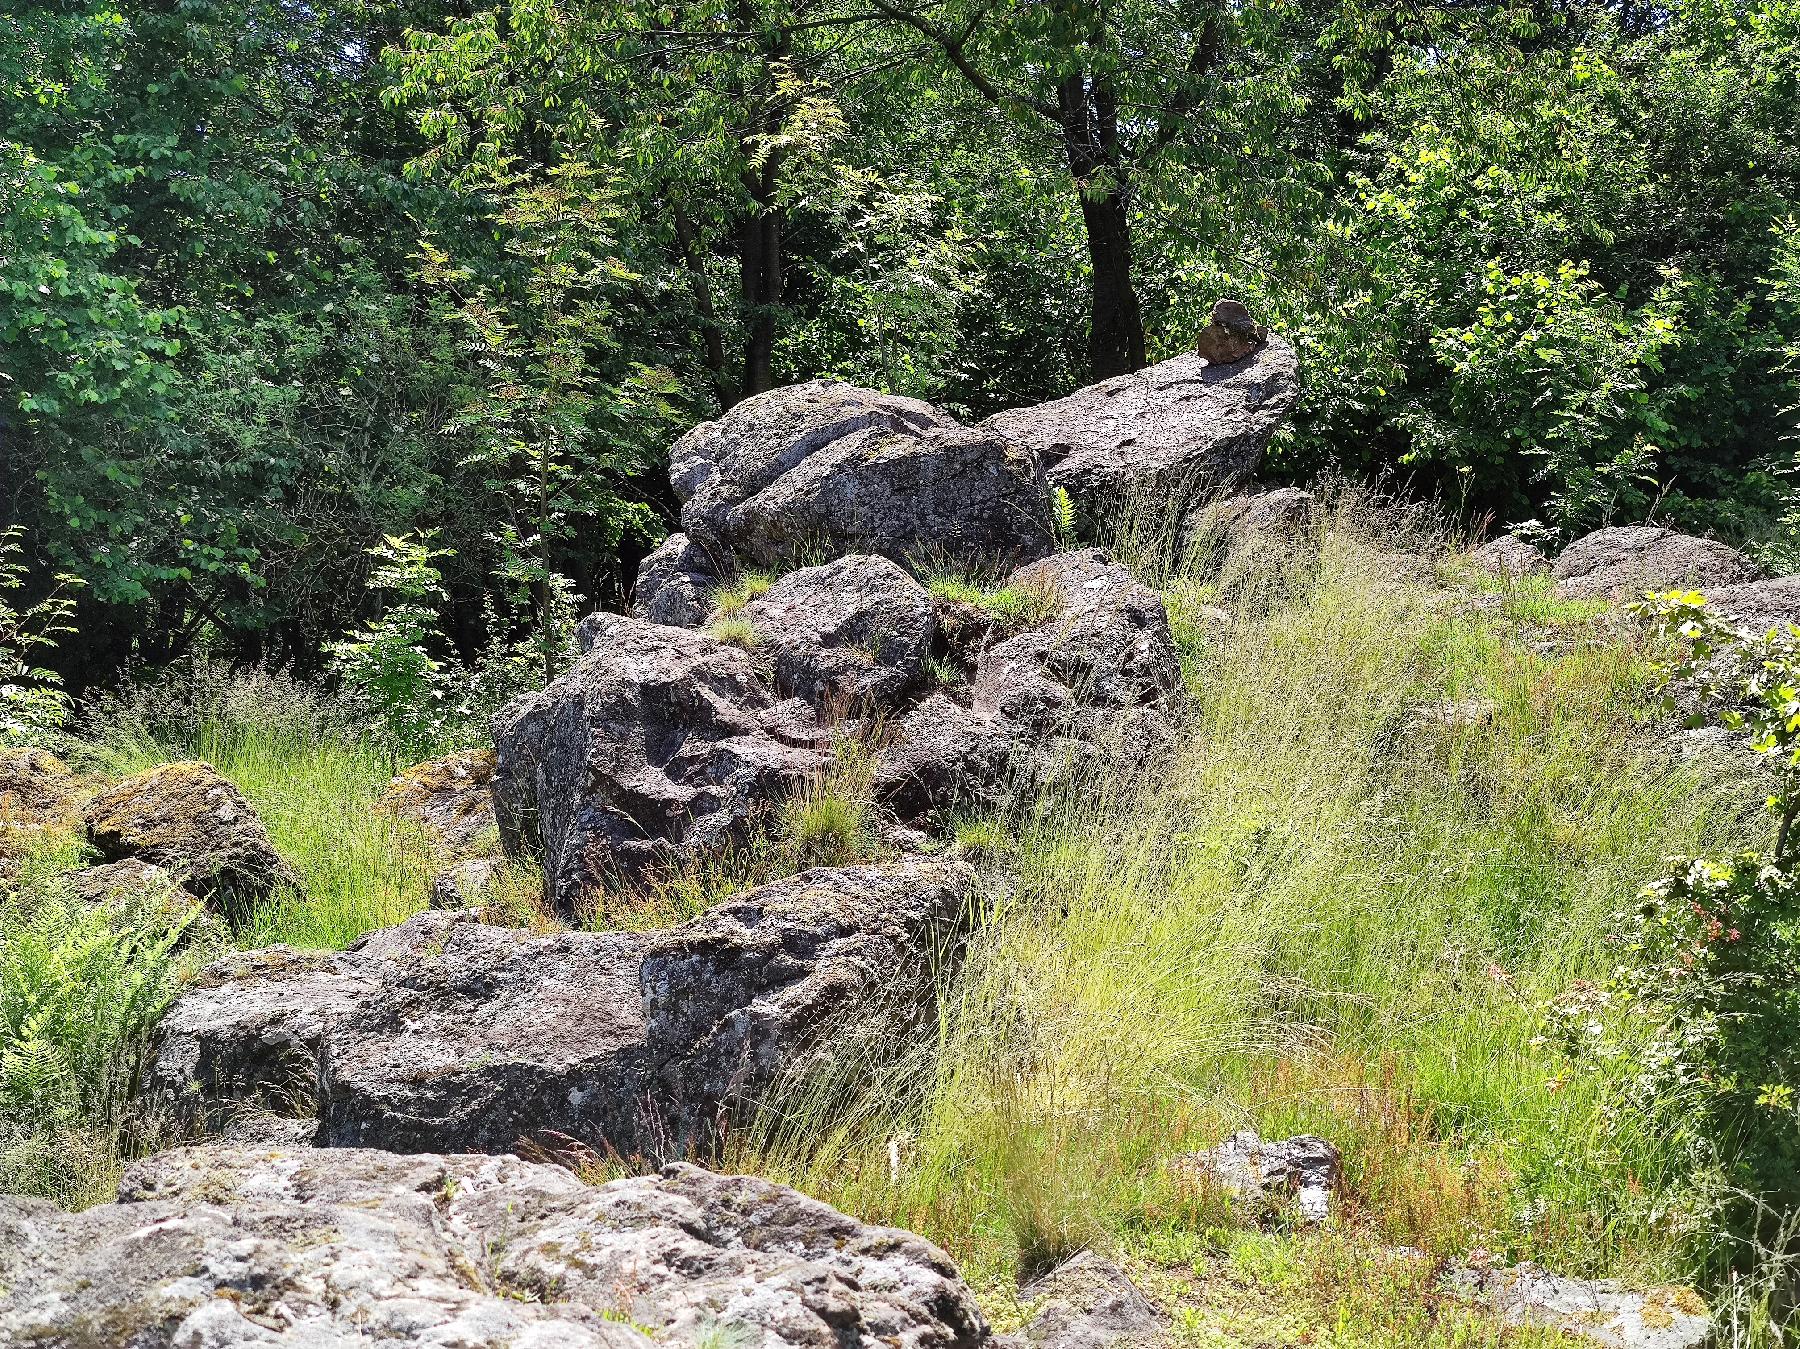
{"x":856,"y":576}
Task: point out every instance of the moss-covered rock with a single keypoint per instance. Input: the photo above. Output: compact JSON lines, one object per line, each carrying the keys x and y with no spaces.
{"x":187,"y":819}
{"x":38,"y":795}
{"x":449,"y":798}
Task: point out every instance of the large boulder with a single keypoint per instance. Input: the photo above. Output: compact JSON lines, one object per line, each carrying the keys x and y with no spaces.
{"x":660,"y":745}
{"x":1625,"y":560}
{"x":1509,"y":555}
{"x":1089,"y":685}
{"x":217,"y":1246}
{"x":448,"y":1034}
{"x":449,"y":799}
{"x":1164,"y":434}
{"x":675,"y":584}
{"x":849,"y":636}
{"x":828,"y":468}
{"x":187,"y":819}
{"x":1761,"y":606}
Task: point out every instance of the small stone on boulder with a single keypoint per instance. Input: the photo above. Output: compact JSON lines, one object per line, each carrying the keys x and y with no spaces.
{"x":446,"y":1034}
{"x":675,"y":585}
{"x":216,"y":1246}
{"x":660,"y":745}
{"x":185,"y":818}
{"x":1163,"y":435}
{"x":1624,"y":561}
{"x":1305,"y":1166}
{"x":849,"y":636}
{"x":449,"y":798}
{"x":828,"y":467}
{"x":1231,"y":335}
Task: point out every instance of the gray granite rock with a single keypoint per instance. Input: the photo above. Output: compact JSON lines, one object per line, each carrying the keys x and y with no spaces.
{"x":217,"y":1247}
{"x":1623,"y":561}
{"x":445,"y":1034}
{"x":1600,"y":1311}
{"x":849,"y":637}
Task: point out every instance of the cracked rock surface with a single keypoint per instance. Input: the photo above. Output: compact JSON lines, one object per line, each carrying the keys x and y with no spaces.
{"x":221,"y":1246}
{"x":446,"y":1034}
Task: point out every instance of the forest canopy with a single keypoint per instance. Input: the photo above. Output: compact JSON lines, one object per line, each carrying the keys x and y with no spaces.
{"x":279,"y":281}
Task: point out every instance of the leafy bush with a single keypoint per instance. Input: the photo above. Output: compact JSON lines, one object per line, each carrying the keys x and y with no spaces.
{"x":33,"y":706}
{"x":389,"y":665}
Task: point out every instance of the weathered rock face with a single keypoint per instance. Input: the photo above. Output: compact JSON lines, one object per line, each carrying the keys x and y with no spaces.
{"x":660,"y":744}
{"x":1090,"y":1303}
{"x":1305,"y":1167}
{"x":449,"y":798}
{"x":37,"y":794}
{"x":1090,"y":683}
{"x":221,"y":1246}
{"x":828,"y":467}
{"x":446,"y":1034}
{"x":1626,"y":560}
{"x":1165,"y":433}
{"x":851,"y":635}
{"x":675,"y":585}
{"x":1509,"y":555}
{"x":1258,"y":544}
{"x":132,"y":882}
{"x":185,"y":818}
{"x":1597,"y":1310}
{"x":1759,"y":605}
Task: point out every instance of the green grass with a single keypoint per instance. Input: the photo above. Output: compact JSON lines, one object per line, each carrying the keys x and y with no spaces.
{"x":1014,"y":608}
{"x":735,"y":632}
{"x":312,"y":779}
{"x":730,"y":600}
{"x":1315,"y":919}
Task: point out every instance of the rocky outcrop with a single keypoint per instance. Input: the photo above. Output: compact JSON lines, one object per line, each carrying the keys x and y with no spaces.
{"x":1600,"y":1311}
{"x":1760,"y":606}
{"x":447,"y":1034}
{"x":850,"y":636}
{"x":1509,"y":555}
{"x":1304,"y":1168}
{"x":675,"y":585}
{"x":1623,"y":561}
{"x":217,"y":1246}
{"x":828,"y":468}
{"x":187,"y":819}
{"x":134,"y":882}
{"x":1164,"y":434}
{"x":1090,"y":1303}
{"x":1089,"y":684}
{"x":449,"y":799}
{"x":659,"y":745}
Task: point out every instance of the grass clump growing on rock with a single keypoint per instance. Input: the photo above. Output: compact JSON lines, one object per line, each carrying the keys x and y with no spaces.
{"x":736,"y":632}
{"x":730,"y":600}
{"x":1013,"y":608}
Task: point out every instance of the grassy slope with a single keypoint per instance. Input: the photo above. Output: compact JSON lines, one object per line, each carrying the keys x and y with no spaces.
{"x":1317,"y":917}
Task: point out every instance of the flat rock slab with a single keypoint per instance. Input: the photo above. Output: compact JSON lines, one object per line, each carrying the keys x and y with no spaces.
{"x":1597,"y":1310}
{"x":1623,"y":561}
{"x":225,"y":1246}
{"x":1165,"y":432}
{"x":445,"y":1034}
{"x":826,"y":468}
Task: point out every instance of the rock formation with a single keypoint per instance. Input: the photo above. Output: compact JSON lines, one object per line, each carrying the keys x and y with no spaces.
{"x":1163,"y":436}
{"x":217,"y":1246}
{"x":828,"y":468}
{"x":675,"y":585}
{"x":450,"y":799}
{"x":1509,"y":555}
{"x":660,"y":745}
{"x":187,"y":819}
{"x":1304,"y":1168}
{"x":445,"y":1034}
{"x":1230,"y":334}
{"x":1623,"y":561}
{"x":1090,"y":1303}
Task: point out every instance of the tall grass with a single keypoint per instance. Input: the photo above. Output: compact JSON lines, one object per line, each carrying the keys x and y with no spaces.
{"x":311,"y":775}
{"x":1334,"y":912}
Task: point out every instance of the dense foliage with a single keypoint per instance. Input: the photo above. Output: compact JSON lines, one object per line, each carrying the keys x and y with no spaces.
{"x":279,"y":281}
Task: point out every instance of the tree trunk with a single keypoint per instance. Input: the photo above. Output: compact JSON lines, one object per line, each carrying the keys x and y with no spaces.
{"x":712,"y":336}
{"x":1090,"y":132}
{"x":760,"y":249}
